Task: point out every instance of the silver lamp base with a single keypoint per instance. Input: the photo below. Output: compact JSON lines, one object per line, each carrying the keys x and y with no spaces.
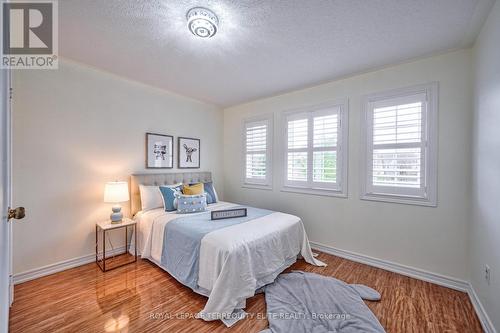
{"x":117,"y":215}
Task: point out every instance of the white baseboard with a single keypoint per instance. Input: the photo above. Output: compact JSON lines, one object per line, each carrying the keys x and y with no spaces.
{"x":413,"y":272}
{"x":485,"y":320}
{"x":416,"y":273}
{"x":60,"y":266}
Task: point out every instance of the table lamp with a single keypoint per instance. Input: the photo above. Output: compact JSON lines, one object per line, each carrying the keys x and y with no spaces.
{"x":116,"y":192}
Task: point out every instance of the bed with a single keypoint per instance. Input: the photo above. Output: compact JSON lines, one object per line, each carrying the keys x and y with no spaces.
{"x":227,"y":264}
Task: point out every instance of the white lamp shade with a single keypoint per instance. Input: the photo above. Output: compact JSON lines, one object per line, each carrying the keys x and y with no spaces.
{"x":115,"y":192}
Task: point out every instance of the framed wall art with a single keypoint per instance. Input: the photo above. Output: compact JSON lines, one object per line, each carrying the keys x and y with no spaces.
{"x":188,"y":153}
{"x":159,"y":151}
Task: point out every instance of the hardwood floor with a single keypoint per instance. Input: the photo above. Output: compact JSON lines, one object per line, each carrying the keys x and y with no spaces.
{"x":141,"y":297}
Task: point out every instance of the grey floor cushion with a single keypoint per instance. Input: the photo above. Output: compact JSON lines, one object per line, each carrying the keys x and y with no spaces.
{"x":312,"y":303}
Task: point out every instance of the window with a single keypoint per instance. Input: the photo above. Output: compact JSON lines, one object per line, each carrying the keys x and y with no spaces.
{"x":257,"y":148}
{"x":316,"y":150}
{"x":400,"y":146}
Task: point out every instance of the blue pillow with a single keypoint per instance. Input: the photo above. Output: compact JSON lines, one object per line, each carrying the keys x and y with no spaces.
{"x":191,"y":203}
{"x":168,"y":194}
{"x":209,"y":192}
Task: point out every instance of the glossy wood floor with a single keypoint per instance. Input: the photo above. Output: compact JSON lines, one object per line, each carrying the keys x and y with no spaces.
{"x":141,"y":297}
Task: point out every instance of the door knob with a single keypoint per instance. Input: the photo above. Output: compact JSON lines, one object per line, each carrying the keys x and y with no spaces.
{"x":16,"y":213}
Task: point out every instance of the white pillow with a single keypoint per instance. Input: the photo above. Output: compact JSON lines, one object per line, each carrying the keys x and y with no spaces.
{"x":151,"y":197}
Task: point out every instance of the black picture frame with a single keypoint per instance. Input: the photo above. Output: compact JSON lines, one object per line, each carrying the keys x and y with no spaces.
{"x":150,"y":151}
{"x":181,"y":153}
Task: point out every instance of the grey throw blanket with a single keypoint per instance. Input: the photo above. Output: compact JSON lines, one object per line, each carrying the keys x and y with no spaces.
{"x":312,"y":303}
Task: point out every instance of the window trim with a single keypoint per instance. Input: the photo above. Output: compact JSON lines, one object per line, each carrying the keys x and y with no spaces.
{"x":342,"y":149}
{"x":430,"y":130}
{"x":268,"y":183}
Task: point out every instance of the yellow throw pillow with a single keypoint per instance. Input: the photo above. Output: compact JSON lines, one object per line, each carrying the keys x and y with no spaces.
{"x":193,"y":189}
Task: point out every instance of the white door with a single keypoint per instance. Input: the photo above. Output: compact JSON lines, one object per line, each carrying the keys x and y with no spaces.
{"x":6,"y":292}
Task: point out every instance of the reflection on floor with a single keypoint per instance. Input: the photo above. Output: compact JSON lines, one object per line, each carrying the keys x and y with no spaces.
{"x":141,"y":297}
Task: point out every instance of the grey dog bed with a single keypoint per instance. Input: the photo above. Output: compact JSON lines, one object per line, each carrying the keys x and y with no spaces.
{"x":312,"y":303}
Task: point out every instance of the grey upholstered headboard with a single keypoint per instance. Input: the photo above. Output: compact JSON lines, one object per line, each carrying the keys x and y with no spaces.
{"x":161,"y":179}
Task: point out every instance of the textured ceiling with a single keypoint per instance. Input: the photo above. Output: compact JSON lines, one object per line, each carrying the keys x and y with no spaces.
{"x":263,"y":47}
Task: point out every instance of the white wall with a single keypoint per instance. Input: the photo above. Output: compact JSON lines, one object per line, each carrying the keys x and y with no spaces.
{"x":75,"y":129}
{"x":78,"y":127}
{"x":432,"y":239}
{"x":485,"y":224}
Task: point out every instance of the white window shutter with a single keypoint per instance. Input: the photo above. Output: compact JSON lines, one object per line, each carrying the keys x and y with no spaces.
{"x":257,"y":152}
{"x":398,"y":145}
{"x":314,"y":162}
{"x":401,"y":146}
{"x":297,"y":138}
{"x":325,"y":138}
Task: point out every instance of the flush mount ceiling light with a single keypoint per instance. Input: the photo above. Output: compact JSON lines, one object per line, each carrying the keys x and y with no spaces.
{"x":202,"y":22}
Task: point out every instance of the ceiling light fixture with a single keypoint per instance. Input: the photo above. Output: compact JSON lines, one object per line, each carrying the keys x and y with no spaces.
{"x":202,"y":22}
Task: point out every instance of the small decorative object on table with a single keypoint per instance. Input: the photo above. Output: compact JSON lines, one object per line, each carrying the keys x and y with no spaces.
{"x":105,"y":227}
{"x":188,"y":153}
{"x":116,"y":192}
{"x":228,"y":213}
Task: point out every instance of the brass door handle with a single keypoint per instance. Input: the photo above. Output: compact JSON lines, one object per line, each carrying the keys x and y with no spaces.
{"x":16,"y":213}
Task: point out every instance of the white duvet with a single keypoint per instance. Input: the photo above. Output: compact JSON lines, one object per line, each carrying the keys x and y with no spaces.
{"x":236,"y":260}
